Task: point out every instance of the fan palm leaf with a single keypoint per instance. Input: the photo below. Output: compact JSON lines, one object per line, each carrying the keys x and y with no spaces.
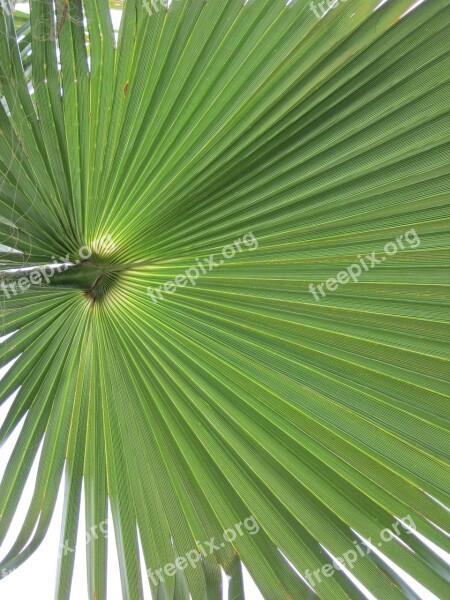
{"x":303,"y":144}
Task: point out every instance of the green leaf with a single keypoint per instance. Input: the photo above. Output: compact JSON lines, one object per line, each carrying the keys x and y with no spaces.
{"x":241,"y":349}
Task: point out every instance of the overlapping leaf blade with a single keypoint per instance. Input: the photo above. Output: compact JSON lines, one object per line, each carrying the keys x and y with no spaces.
{"x":240,"y":394}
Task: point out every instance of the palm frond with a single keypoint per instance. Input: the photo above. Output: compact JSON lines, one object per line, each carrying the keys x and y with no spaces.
{"x":241,"y":394}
